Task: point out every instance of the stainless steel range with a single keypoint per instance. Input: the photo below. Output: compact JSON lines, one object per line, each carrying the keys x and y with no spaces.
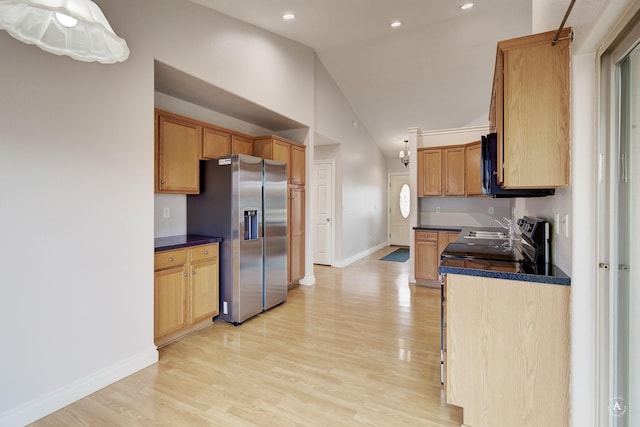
{"x":530,"y":251}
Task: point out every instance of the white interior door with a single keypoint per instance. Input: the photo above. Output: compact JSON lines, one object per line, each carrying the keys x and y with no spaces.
{"x":323,"y":179}
{"x":399,"y":209}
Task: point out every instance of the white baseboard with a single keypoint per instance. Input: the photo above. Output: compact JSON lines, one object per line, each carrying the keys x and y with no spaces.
{"x":308,"y":280}
{"x":58,"y":399}
{"x":354,"y":258}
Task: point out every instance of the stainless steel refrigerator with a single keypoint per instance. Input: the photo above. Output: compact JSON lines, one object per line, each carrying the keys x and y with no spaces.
{"x":243,"y":199}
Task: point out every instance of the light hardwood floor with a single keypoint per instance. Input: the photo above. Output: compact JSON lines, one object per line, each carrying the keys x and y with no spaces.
{"x":361,"y":347}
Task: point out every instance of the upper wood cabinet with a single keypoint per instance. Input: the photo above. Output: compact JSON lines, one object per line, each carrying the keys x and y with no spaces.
{"x":450,"y":170}
{"x":293,"y":154}
{"x":215,"y":143}
{"x":454,"y":171}
{"x":218,"y":142}
{"x":530,"y":111}
{"x":429,"y":172}
{"x":446,"y":171}
{"x":473,"y":162}
{"x":241,"y":145}
{"x":177,"y":154}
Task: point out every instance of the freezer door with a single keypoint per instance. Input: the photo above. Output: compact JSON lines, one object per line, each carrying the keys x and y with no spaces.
{"x":275,"y":233}
{"x":248,"y":258}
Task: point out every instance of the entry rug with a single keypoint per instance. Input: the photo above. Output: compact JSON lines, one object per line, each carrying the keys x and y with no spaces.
{"x":399,"y":255}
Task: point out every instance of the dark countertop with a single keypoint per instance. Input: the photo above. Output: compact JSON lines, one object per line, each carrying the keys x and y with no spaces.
{"x":471,"y":263}
{"x":183,"y":241}
{"x":438,"y":228}
{"x":550,"y":275}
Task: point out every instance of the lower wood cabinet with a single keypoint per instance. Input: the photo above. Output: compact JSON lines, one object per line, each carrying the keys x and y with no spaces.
{"x":186,"y":291}
{"x":296,"y":233}
{"x":428,"y":248}
{"x":426,"y":261}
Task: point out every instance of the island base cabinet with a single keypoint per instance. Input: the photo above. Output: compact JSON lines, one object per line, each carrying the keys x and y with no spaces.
{"x":507,"y":350}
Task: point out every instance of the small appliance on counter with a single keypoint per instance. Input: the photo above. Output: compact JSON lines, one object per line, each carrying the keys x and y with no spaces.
{"x":243,"y":199}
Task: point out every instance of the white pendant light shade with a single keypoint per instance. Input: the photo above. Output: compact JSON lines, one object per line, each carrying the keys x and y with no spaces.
{"x":76,"y":28}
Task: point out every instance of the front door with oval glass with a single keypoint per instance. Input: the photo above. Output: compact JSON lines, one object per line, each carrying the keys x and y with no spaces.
{"x":399,"y":210}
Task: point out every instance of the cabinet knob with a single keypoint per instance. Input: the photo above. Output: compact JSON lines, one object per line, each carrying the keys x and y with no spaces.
{"x":193,"y":273}
{"x":184,"y":274}
{"x":170,"y":259}
{"x":206,"y":252}
{"x":162,"y":181}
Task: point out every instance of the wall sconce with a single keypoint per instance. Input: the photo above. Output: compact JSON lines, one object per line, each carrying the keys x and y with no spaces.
{"x":75,"y":28}
{"x":404,"y":154}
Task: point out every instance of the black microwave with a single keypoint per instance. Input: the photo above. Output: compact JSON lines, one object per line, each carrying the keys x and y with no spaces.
{"x":490,"y":184}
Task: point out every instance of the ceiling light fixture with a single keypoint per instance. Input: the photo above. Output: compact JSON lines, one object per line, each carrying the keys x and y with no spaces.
{"x":395,"y":24}
{"x":404,"y":154}
{"x":466,"y":6}
{"x":75,"y":28}
{"x":288,"y":16}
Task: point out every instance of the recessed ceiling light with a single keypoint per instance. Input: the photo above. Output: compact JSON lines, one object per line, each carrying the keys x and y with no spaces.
{"x":288,"y":16}
{"x":395,"y":24}
{"x":466,"y":6}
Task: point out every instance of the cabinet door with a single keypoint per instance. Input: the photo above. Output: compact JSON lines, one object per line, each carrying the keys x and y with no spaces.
{"x":170,"y":290}
{"x":281,"y":152}
{"x":204,"y":290}
{"x":297,"y":165}
{"x":536,"y":116}
{"x":426,"y":262}
{"x":296,"y":233}
{"x":454,"y":171}
{"x":178,"y":154}
{"x":474,"y":169}
{"x":430,"y":172}
{"x":444,"y":238}
{"x":241,"y":145}
{"x":215,"y":143}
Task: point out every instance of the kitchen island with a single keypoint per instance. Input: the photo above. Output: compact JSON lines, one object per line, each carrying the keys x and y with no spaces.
{"x":506,"y":342}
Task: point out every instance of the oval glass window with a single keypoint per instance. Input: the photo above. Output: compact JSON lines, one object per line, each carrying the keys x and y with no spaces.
{"x":405,"y":201}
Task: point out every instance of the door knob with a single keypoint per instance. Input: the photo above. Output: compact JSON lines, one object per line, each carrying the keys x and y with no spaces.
{"x":328,"y":220}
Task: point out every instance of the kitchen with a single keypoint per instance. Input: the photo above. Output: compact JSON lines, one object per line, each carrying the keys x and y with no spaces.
{"x":112,"y":228}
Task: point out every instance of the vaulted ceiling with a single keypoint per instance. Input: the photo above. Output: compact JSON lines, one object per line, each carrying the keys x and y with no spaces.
{"x":433,"y":72}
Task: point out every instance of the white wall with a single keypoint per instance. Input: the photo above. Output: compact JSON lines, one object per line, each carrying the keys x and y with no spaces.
{"x":363,"y":170}
{"x":463,"y":211}
{"x":77,"y":167}
{"x":76,"y":174}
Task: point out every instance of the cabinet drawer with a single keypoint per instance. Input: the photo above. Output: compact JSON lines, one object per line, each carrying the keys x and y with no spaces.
{"x":427,"y":235}
{"x":166,"y":259}
{"x":202,"y":252}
